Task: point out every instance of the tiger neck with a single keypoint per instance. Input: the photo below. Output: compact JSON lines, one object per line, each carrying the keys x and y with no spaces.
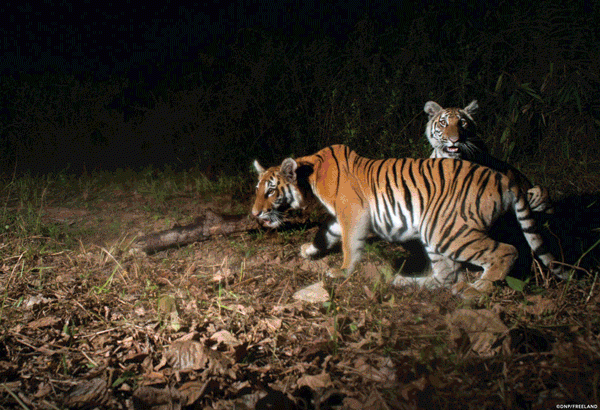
{"x":303,"y":182}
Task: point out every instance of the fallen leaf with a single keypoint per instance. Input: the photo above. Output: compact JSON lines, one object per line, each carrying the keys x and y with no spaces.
{"x":376,"y":402}
{"x":410,"y":392}
{"x":223,"y":275}
{"x":152,"y":398}
{"x":273,"y":323}
{"x":193,"y":355}
{"x":320,"y":381}
{"x":483,"y":328}
{"x":225,"y":337}
{"x":90,"y":393}
{"x":538,"y":305}
{"x":383,"y":373}
{"x":34,"y":301}
{"x":192,"y":391}
{"x":169,"y":314}
{"x":188,"y":355}
{"x":350,"y":403}
{"x":47,"y":321}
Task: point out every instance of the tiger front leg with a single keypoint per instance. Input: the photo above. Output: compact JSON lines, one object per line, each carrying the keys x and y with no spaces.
{"x":355,"y":226}
{"x":327,"y":238}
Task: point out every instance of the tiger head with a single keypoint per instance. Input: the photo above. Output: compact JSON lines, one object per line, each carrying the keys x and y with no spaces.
{"x":452,"y":131}
{"x":277,"y":191}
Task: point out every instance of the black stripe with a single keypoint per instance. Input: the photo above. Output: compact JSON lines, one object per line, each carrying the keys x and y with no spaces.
{"x":407,"y":196}
{"x":465,"y":246}
{"x":540,"y":250}
{"x":389,"y":189}
{"x":422,"y":174}
{"x":337,"y":183}
{"x":407,"y":191}
{"x":451,"y":239}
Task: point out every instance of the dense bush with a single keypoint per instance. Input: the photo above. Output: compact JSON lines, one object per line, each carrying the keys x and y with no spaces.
{"x":534,"y":70}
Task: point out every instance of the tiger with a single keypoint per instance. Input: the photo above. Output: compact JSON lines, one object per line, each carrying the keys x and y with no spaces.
{"x":452,"y":133}
{"x":446,"y":204}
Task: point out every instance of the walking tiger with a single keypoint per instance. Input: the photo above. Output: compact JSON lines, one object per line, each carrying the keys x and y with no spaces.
{"x":447,"y":204}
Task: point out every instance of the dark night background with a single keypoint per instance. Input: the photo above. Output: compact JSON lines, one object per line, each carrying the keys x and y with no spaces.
{"x":106,"y":38}
{"x":103,"y":85}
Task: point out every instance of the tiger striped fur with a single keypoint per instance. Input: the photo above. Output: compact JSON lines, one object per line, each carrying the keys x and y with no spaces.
{"x":447,"y":204}
{"x":452,"y":134}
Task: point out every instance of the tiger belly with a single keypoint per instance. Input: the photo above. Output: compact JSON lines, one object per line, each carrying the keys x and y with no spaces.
{"x":393,"y":227}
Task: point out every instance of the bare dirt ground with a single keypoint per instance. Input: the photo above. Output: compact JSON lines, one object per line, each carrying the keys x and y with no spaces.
{"x":88,"y":322}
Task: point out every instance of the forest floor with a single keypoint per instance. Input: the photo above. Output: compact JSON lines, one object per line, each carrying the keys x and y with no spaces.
{"x":88,"y":321}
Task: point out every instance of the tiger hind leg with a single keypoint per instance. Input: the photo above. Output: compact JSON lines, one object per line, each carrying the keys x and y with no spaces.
{"x":496,"y":259}
{"x":444,"y":273}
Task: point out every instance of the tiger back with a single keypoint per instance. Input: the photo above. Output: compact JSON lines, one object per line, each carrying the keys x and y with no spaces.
{"x":452,"y":133}
{"x":448,"y":205}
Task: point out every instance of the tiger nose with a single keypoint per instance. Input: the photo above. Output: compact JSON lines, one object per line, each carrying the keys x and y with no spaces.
{"x":453,"y":136}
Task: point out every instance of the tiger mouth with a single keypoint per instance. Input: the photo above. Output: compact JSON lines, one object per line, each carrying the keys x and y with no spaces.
{"x":452,"y":152}
{"x":269,"y":222}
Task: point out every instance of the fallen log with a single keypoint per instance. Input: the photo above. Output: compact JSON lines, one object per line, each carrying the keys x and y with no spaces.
{"x":201,"y":229}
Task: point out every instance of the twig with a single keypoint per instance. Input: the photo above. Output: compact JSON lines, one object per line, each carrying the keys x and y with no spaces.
{"x":116,"y":261}
{"x":14,"y":396}
{"x":100,"y":332}
{"x":43,"y":350}
{"x":52,"y":406}
{"x":252,"y":279}
{"x":89,"y":358}
{"x":573,"y":267}
{"x":283,"y":292}
{"x":592,"y":287}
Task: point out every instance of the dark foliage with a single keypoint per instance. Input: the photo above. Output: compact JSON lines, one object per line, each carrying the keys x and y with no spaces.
{"x":534,"y":70}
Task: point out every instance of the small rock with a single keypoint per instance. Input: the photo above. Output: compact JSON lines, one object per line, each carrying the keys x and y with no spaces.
{"x":315,"y":293}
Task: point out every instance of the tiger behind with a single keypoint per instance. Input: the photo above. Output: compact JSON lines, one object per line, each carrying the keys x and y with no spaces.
{"x":452,"y":133}
{"x":449,"y":205}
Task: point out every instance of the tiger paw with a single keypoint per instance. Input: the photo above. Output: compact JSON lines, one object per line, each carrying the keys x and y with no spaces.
{"x":483,"y":285}
{"x":401,"y":281}
{"x":335,"y":273}
{"x":472,"y":291}
{"x":308,"y":251}
{"x":429,"y":282}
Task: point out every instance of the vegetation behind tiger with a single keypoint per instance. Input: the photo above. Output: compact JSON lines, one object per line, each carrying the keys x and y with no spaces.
{"x":265,"y":95}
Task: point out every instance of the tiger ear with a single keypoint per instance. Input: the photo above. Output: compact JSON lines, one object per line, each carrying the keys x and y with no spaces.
{"x":432,"y":108}
{"x":288,"y":169}
{"x":472,"y":108}
{"x":259,"y":169}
